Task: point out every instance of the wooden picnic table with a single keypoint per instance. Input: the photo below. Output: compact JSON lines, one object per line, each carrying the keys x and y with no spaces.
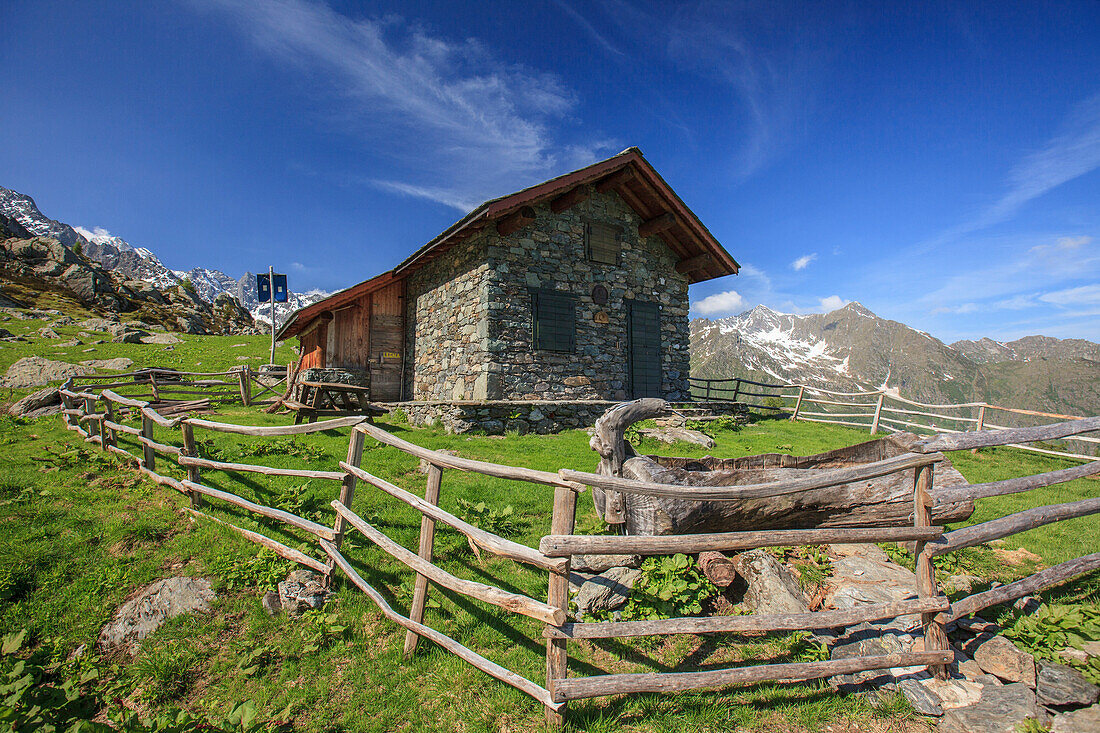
{"x":331,"y":398}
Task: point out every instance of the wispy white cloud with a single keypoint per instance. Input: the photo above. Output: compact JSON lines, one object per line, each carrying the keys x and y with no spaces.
{"x":1017,"y":272}
{"x":465,"y":125}
{"x":762,"y":62}
{"x":1083,"y":295}
{"x":803,"y":262}
{"x":590,"y":29}
{"x":961,"y":309}
{"x":725,"y":303}
{"x":1071,"y":152}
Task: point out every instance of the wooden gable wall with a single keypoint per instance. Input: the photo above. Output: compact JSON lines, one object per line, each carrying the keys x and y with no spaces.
{"x":368,"y":333}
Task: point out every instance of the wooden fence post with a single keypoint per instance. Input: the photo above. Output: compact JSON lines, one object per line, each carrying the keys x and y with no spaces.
{"x":245,"y":378}
{"x":981,"y":424}
{"x":189,"y":449}
{"x":427,"y":544}
{"x":563,"y":521}
{"x":110,"y":436}
{"x":736,"y":388}
{"x":798,"y":404}
{"x":935,"y":637}
{"x":149,"y":456}
{"x":67,"y":403}
{"x":878,"y":412}
{"x":347,"y":494}
{"x":707,"y":398}
{"x":95,"y":426}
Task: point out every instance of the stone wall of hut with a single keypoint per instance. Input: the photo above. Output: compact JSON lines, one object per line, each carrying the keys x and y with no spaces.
{"x":470,"y":323}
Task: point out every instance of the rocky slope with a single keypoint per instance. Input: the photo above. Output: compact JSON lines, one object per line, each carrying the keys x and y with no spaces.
{"x":39,"y":272}
{"x":23,"y":218}
{"x":853,"y":349}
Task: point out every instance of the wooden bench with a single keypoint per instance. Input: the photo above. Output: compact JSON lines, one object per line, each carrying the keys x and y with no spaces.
{"x":312,"y":399}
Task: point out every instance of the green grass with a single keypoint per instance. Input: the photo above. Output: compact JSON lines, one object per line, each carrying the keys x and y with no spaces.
{"x":79,"y":533}
{"x":196,"y":353}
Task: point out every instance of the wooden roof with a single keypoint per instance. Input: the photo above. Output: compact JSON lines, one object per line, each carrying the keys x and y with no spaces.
{"x":629,"y":174}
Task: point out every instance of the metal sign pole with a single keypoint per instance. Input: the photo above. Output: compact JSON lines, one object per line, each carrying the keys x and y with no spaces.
{"x":271,"y":285}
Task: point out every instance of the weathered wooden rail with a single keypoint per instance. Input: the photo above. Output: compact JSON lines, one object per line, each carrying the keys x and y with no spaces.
{"x":102,"y":417}
{"x":883,"y":410}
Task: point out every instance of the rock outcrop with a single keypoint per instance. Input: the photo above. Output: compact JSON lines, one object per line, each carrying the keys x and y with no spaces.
{"x":32,"y":267}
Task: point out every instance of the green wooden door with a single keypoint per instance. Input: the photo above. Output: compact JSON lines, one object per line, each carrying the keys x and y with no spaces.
{"x":644,"y":348}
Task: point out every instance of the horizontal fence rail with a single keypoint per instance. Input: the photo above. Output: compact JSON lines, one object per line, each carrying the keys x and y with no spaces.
{"x":886,"y":411}
{"x":121,"y":423}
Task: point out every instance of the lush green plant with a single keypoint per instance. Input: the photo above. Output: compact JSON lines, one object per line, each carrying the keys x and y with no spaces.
{"x":33,"y":699}
{"x":710,"y":427}
{"x":319,"y":629}
{"x":166,"y":671}
{"x":399,"y":416}
{"x":669,"y":587}
{"x":774,"y":401}
{"x":1052,"y":628}
{"x":812,"y":562}
{"x":36,"y":695}
{"x":805,"y":647}
{"x":253,"y":659}
{"x":502,"y":523}
{"x":1031,"y":725}
{"x":285,"y":447}
{"x":1090,"y":669}
{"x":262,"y":571}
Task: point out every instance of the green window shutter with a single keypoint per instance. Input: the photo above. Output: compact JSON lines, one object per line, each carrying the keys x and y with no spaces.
{"x":555,"y":321}
{"x":603,"y":243}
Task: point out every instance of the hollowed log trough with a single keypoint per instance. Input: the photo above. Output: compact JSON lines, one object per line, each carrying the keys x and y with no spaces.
{"x":879,"y":502}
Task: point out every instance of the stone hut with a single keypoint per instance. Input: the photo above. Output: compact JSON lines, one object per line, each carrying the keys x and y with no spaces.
{"x":572,"y":290}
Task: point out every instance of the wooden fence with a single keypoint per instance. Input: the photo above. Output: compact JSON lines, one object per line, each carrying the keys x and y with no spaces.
{"x":555,"y":551}
{"x":884,"y":411}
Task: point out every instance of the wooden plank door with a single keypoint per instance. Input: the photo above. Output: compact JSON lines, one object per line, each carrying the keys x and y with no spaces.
{"x":644,"y":348}
{"x":387,"y":343}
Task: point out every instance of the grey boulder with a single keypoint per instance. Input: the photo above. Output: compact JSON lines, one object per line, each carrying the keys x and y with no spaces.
{"x":607,"y":591}
{"x":148,"y":610}
{"x":1059,"y":685}
{"x":771,"y":587}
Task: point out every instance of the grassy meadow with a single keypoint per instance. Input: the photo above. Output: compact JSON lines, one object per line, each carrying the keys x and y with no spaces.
{"x":80,"y":532}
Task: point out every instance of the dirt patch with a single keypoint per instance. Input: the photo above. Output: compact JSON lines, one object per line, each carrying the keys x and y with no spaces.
{"x":1019,"y":556}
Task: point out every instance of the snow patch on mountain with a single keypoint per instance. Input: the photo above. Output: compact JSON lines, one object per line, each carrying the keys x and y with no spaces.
{"x":139,"y":263}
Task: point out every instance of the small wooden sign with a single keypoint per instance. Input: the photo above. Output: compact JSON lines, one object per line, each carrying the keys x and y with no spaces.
{"x":601,"y":317}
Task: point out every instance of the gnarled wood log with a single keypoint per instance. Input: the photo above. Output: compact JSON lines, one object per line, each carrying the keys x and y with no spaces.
{"x":608,"y":441}
{"x":876,"y":502}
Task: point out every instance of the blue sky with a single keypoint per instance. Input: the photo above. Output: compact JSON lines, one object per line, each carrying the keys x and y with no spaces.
{"x":937,"y":162}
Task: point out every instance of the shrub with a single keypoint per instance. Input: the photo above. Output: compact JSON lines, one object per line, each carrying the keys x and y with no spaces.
{"x":1052,"y":628}
{"x":669,"y":587}
{"x":502,"y":523}
{"x":263,"y":571}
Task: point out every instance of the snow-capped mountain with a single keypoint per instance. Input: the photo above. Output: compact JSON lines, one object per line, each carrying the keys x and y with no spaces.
{"x":21,"y":209}
{"x":852,"y":349}
{"x":138,"y":263}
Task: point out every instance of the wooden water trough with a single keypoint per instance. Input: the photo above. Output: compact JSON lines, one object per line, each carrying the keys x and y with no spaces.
{"x":645,"y":494}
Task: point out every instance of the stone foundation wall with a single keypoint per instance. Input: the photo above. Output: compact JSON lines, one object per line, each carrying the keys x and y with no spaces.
{"x":496,"y":417}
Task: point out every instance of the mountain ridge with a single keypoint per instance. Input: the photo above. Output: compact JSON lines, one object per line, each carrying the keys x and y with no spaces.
{"x":21,"y":215}
{"x":853,"y":349}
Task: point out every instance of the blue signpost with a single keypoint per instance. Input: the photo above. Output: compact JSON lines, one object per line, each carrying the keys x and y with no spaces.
{"x":265,"y":285}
